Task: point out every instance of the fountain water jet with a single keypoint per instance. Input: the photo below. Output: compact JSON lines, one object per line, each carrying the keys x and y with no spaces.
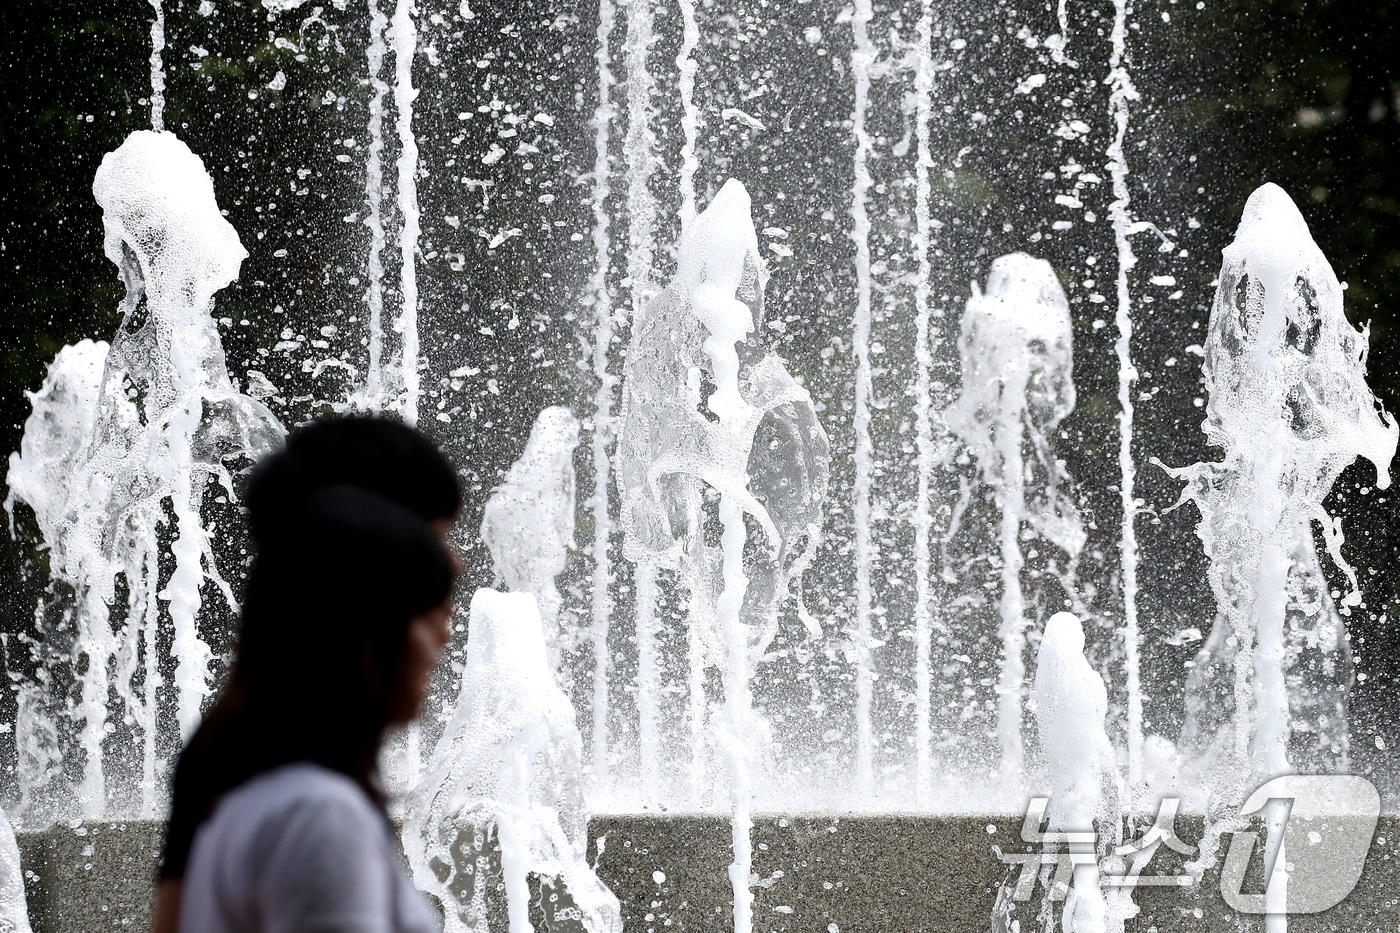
{"x":862,"y":61}
{"x":528,"y":526}
{"x":924,"y":351}
{"x":639,"y":149}
{"x":1017,"y":387}
{"x":754,"y":440}
{"x":1289,"y":408}
{"x":165,"y":423}
{"x":602,"y":426}
{"x":1123,"y":93}
{"x":503,"y":794}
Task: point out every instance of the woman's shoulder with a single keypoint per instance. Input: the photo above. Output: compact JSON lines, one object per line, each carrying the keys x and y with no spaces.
{"x":308,"y":843}
{"x":296,"y":792}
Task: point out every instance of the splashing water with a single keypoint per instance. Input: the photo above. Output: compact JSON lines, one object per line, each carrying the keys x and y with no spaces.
{"x":166,"y":421}
{"x":690,"y":114}
{"x":374,"y":398}
{"x":503,"y":790}
{"x":1289,"y":409}
{"x":639,"y":148}
{"x":766,"y":450}
{"x":924,"y":341}
{"x":528,"y":523}
{"x":1071,"y":704}
{"x":14,"y":910}
{"x":42,"y":475}
{"x":755,"y":440}
{"x":1017,"y":386}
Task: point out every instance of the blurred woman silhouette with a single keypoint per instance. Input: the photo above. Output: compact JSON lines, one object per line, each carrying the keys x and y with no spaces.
{"x":277,"y":815}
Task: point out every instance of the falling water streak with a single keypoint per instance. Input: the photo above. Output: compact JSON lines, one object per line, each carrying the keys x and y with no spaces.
{"x":182,"y":590}
{"x":690,"y":131}
{"x":695,"y":691}
{"x":738,"y":708}
{"x":1011,"y":685}
{"x":862,"y":57}
{"x":1122,"y":94}
{"x":639,"y":152}
{"x":95,"y":641}
{"x":158,"y":67}
{"x":405,"y":36}
{"x":150,"y":794}
{"x":374,"y":208}
{"x":602,"y":399}
{"x":923,"y":407}
{"x":648,"y":682}
{"x":690,"y":116}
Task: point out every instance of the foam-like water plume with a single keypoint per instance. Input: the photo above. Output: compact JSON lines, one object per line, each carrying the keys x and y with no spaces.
{"x":1017,"y":386}
{"x":603,"y":332}
{"x":1289,"y":409}
{"x":14,"y":908}
{"x":503,"y":797}
{"x":42,"y":475}
{"x":528,"y":524}
{"x":754,"y":439}
{"x":862,"y":62}
{"x":1086,"y":805}
{"x":166,"y":422}
{"x":1122,"y":94}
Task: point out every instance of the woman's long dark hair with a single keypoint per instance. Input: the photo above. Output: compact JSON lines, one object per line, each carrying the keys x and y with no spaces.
{"x":325,"y":618}
{"x":365,"y":451}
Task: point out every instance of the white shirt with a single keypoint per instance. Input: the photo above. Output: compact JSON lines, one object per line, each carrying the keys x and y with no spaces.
{"x":300,"y":848}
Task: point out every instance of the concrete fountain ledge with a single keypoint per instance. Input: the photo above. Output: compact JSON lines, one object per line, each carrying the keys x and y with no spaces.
{"x":816,"y":874}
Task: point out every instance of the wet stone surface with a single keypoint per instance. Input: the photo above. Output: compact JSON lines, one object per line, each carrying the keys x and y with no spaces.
{"x":814,"y":874}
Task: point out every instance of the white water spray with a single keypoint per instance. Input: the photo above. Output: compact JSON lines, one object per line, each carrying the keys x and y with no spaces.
{"x":1121,"y":95}
{"x":528,"y":524}
{"x":690,"y":114}
{"x":167,"y":421}
{"x":374,"y":397}
{"x":603,"y":333}
{"x":1289,"y":409}
{"x":504,"y":786}
{"x":689,"y":164}
{"x":862,"y":61}
{"x":1071,"y":704}
{"x":158,"y":66}
{"x":755,"y":440}
{"x":639,"y":150}
{"x":1017,"y":387}
{"x":923,"y":412}
{"x":404,"y":34}
{"x":14,"y":908}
